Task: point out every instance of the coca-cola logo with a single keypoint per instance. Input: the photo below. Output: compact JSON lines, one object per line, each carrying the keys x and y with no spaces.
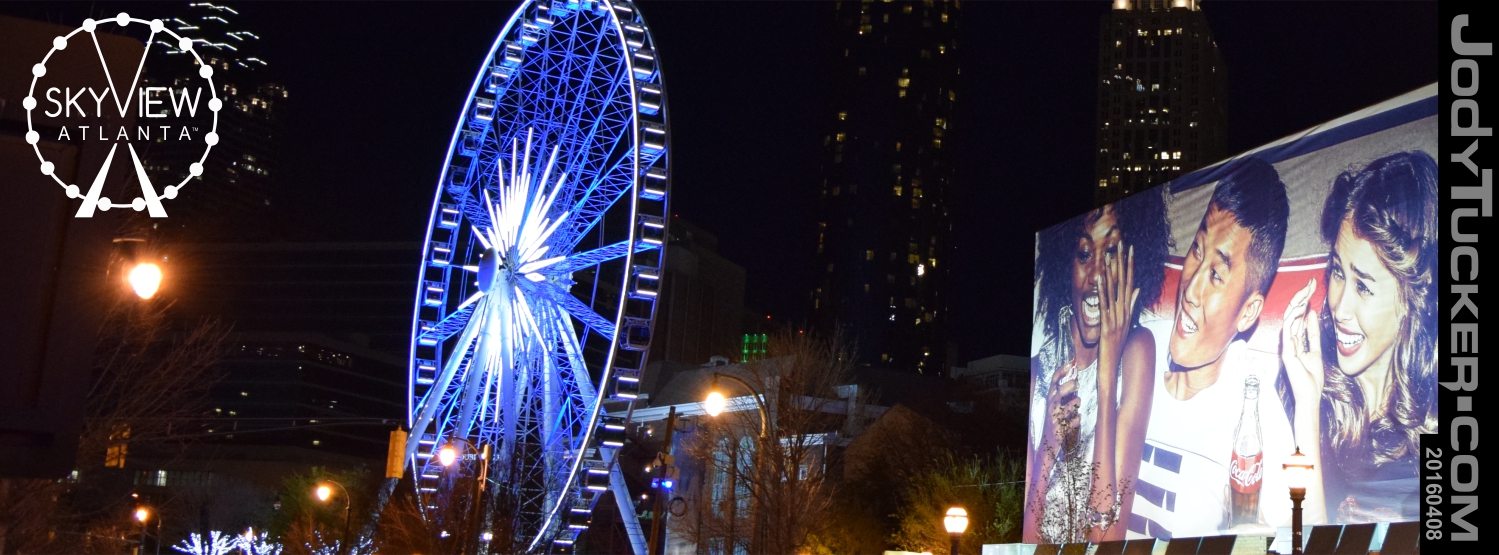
{"x":1246,"y":472}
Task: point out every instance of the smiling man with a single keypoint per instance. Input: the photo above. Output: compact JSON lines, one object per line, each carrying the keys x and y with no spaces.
{"x":1212,"y":392}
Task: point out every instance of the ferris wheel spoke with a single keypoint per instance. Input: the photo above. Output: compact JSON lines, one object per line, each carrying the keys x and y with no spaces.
{"x":574,"y":353}
{"x":432,"y":401}
{"x":594,"y":201}
{"x":589,"y":258}
{"x":571,"y":306}
{"x":452,"y":323}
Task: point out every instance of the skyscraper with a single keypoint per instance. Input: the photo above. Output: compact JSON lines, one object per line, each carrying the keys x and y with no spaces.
{"x":1161,"y":96}
{"x":883,"y":230}
{"x":231,"y":200}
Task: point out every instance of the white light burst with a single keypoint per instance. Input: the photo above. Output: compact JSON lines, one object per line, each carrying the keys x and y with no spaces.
{"x":218,"y":543}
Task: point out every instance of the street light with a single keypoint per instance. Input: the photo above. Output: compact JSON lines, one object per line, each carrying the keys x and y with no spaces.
{"x":1297,"y":474}
{"x":715,"y":403}
{"x":956,"y":523}
{"x":141,"y":515}
{"x":145,"y":279}
{"x":324,"y":493}
{"x":448,"y":455}
{"x":143,"y":275}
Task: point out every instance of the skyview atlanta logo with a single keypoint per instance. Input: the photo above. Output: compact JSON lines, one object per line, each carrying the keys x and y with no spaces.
{"x":163,"y":114}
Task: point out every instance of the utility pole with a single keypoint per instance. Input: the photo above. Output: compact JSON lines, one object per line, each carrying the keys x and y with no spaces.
{"x":656,"y":542}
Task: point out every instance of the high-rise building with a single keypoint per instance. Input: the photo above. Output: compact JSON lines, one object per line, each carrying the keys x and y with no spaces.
{"x":1161,"y":96}
{"x":883,"y":229}
{"x":231,"y":200}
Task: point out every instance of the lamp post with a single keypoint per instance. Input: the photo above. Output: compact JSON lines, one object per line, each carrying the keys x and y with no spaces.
{"x":715,"y":404}
{"x":1296,"y":477}
{"x":324,"y":493}
{"x":447,"y":456}
{"x":142,"y":514}
{"x":956,"y":523}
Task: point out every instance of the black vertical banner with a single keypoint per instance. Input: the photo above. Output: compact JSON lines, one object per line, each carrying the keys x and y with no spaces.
{"x":1449,"y":458}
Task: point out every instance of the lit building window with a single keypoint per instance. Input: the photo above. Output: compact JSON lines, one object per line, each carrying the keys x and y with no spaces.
{"x":869,"y":255}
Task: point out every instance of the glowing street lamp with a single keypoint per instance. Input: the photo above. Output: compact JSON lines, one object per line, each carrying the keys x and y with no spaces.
{"x":1298,"y":471}
{"x":145,"y":279}
{"x":447,"y":455}
{"x":714,"y":404}
{"x":324,"y":492}
{"x":141,"y":515}
{"x":956,"y":522}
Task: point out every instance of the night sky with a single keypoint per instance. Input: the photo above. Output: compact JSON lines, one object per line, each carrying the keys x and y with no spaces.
{"x":375,"y":90}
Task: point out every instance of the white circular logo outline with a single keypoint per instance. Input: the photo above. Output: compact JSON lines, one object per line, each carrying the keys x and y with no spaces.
{"x":149,"y":199}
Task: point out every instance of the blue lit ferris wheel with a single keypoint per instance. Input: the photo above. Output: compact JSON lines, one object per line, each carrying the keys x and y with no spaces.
{"x":540,"y":271}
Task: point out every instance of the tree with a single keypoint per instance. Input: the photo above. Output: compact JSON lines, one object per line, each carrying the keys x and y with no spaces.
{"x":767,"y":489}
{"x":150,"y":384}
{"x":307,"y":525}
{"x":990,"y":488}
{"x":1077,"y":486}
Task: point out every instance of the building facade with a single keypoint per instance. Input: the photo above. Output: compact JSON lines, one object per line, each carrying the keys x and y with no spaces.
{"x":883,"y":228}
{"x":1162,"y":90}
{"x":231,"y":200}
{"x":700,"y":313}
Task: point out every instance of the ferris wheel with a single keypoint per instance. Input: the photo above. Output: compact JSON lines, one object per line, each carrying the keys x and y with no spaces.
{"x":540,"y":273}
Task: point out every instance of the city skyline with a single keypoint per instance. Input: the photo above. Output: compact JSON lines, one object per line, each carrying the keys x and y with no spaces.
{"x":1031,"y":119}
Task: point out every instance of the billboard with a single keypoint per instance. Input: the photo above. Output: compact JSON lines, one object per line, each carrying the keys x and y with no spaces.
{"x":1281,"y":300}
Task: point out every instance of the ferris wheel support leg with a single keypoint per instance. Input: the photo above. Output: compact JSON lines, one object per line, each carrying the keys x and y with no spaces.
{"x":627,"y":510}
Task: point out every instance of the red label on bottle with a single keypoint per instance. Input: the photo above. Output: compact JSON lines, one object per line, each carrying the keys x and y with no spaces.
{"x":1246,"y":473}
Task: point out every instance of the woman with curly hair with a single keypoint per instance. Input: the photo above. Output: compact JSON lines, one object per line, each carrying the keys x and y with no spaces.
{"x":1372,"y":360}
{"x":1096,"y":275}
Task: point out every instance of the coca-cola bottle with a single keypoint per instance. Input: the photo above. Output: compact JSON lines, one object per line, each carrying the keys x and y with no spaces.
{"x":1247,"y":470}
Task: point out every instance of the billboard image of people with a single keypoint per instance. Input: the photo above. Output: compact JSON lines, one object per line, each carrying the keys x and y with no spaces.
{"x":1190,"y":338}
